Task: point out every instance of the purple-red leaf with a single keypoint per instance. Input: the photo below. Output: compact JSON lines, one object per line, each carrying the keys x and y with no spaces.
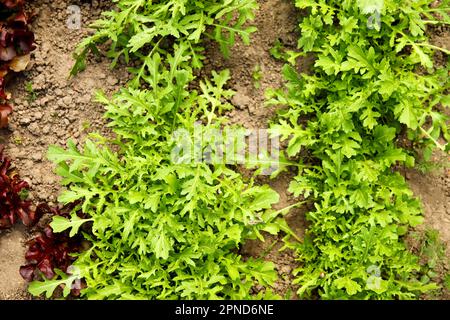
{"x":27,"y":272}
{"x":12,"y":3}
{"x":16,"y":43}
{"x":12,"y":206}
{"x":48,"y":251}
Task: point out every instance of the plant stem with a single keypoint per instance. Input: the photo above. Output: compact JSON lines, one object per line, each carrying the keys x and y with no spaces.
{"x":440,"y":146}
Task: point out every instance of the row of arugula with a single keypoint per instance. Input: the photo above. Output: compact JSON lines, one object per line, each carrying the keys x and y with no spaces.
{"x":163,"y":230}
{"x":370,"y":84}
{"x":158,"y":229}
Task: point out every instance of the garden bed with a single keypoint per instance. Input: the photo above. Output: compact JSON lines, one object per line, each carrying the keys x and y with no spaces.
{"x":50,"y":108}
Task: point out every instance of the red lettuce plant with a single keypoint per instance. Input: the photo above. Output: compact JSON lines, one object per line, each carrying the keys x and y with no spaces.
{"x":16,"y":43}
{"x":13,"y":205}
{"x":12,"y":3}
{"x":49,"y":251}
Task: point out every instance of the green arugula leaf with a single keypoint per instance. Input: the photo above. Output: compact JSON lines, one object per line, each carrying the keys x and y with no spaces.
{"x":60,"y":224}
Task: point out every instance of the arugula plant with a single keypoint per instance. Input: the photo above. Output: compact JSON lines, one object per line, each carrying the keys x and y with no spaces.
{"x":139,"y":26}
{"x":162,"y":229}
{"x":364,"y":92}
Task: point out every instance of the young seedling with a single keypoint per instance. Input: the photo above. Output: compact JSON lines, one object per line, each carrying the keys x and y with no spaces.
{"x":447,"y":281}
{"x":85,"y":125}
{"x":17,"y":140}
{"x":277,"y":50}
{"x":257,"y":76}
{"x":32,"y":95}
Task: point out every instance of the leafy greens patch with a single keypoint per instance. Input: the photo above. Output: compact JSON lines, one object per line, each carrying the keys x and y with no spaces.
{"x":161,"y":229}
{"x":364,"y":91}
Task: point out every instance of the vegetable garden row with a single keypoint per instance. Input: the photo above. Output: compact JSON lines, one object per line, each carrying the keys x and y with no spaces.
{"x":134,"y":224}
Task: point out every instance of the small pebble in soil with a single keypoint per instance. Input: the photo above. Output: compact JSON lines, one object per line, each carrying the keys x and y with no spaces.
{"x":285,"y":269}
{"x":24,"y":120}
{"x":34,"y":128}
{"x":112,"y":81}
{"x":240,"y":100}
{"x":37,"y":156}
{"x":46,"y":129}
{"x":86,"y":98}
{"x":39,"y":81}
{"x":67,"y":100}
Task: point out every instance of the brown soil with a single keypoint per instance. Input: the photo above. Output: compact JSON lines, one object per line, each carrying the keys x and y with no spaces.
{"x":12,"y":251}
{"x":433,"y":189}
{"x":275,"y":19}
{"x":64,"y":109}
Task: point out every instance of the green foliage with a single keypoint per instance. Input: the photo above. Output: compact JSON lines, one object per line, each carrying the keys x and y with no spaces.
{"x":49,"y":286}
{"x":431,"y":251}
{"x":447,"y":281}
{"x":137,"y":27}
{"x":32,"y":95}
{"x":277,"y":50}
{"x":362,"y":94}
{"x":60,"y":224}
{"x":257,"y":76}
{"x":163,"y":228}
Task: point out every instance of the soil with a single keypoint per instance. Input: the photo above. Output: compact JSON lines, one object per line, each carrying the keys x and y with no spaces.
{"x":12,"y":251}
{"x":275,"y":19}
{"x":433,"y":189}
{"x":64,"y":109}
